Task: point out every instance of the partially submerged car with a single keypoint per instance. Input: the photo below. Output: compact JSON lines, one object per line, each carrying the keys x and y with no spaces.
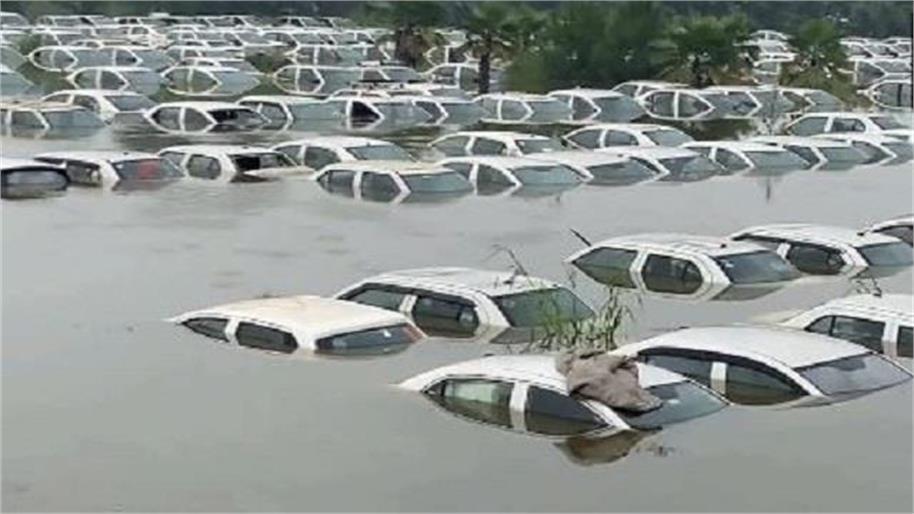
{"x":464,"y":75}
{"x":683,"y":266}
{"x":600,"y":168}
{"x":901,"y":227}
{"x":883,"y":323}
{"x":371,"y":112}
{"x":866,"y":72}
{"x":525,"y":393}
{"x":820,"y":153}
{"x":768,"y":365}
{"x":878,"y":148}
{"x":493,"y":175}
{"x":314,"y":80}
{"x":69,"y":58}
{"x":469,"y":303}
{"x":489,"y":142}
{"x":891,"y":93}
{"x":230,"y":163}
{"x":755,"y":101}
{"x":208,"y":81}
{"x":448,"y":110}
{"x":683,"y":104}
{"x":599,"y":105}
{"x":105,"y":103}
{"x":320,"y":151}
{"x":24,"y":178}
{"x":830,"y":122}
{"x":636,"y":88}
{"x":523,"y":108}
{"x":299,"y":324}
{"x":122,"y":78}
{"x":200,"y":117}
{"x":12,"y":83}
{"x":113,"y":170}
{"x":828,"y":250}
{"x":807,"y":100}
{"x":743,"y":156}
{"x":670,"y":164}
{"x":626,"y":134}
{"x":47,"y":117}
{"x":290,"y":111}
{"x":392,"y":181}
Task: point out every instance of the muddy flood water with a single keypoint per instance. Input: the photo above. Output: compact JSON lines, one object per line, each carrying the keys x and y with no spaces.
{"x":107,"y":407}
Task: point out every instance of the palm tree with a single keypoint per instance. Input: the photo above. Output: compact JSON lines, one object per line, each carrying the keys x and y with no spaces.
{"x":705,"y":49}
{"x":413,"y":24}
{"x":821,"y":61}
{"x":487,"y":26}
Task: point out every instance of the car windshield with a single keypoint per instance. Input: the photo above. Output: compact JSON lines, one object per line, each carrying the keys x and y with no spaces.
{"x":401,"y":111}
{"x":387,"y":152}
{"x":618,"y":108}
{"x":681,"y":401}
{"x":316,"y":111}
{"x":886,"y":122}
{"x":777,"y":160}
{"x":887,"y":254}
{"x":546,"y":175}
{"x":541,"y":307}
{"x":464,"y":112}
{"x":903,"y":151}
{"x":236,"y":118}
{"x":625,"y":172}
{"x":131,"y":102}
{"x":695,"y":165}
{"x":549,"y":110}
{"x":845,"y":154}
{"x":146,"y":169}
{"x":668,"y":137}
{"x":373,"y":338}
{"x":257,"y":161}
{"x":448,"y":182}
{"x":77,"y":118}
{"x":756,"y":267}
{"x":538,"y":145}
{"x":858,"y":373}
{"x":141,"y":77}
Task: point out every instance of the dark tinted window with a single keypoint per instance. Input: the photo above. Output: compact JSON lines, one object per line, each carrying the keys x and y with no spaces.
{"x":551,"y":413}
{"x":586,"y":138}
{"x":814,"y":259}
{"x":203,"y":167}
{"x":483,"y":146}
{"x":670,"y":275}
{"x":378,"y":297}
{"x":168,"y":117}
{"x":808,"y":126}
{"x":753,"y":384}
{"x":316,"y":157}
{"x":903,"y":232}
{"x":805,"y":153}
{"x":619,"y":138}
{"x":697,"y":369}
{"x":382,"y":337}
{"x":265,"y":338}
{"x":209,"y":327}
{"x":452,"y":146}
{"x":338,"y":181}
{"x":463,"y":168}
{"x":376,"y":186}
{"x":482,"y":400}
{"x":857,"y":330}
{"x":445,"y":316}
{"x":608,"y":265}
{"x":887,"y":254}
{"x":821,"y":325}
{"x":26,"y":119}
{"x":195,"y":120}
{"x":905,"y":339}
{"x":854,"y":374}
{"x":755,"y":267}
{"x":490,"y":180}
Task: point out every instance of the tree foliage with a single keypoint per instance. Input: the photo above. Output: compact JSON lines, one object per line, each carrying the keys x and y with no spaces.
{"x":705,"y":50}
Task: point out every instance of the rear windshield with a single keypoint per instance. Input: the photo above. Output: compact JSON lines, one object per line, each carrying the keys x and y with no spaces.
{"x":79,"y":118}
{"x":681,"y":401}
{"x":141,"y":77}
{"x":384,"y":337}
{"x":691,"y":165}
{"x":668,"y":137}
{"x":536,"y":308}
{"x":887,"y":254}
{"x":547,"y":111}
{"x":380,"y":153}
{"x":538,"y":145}
{"x":546,"y":175}
{"x":623,"y":172}
{"x":844,"y":154}
{"x":777,"y":160}
{"x":146,"y":169}
{"x":858,"y":373}
{"x":131,"y":102}
{"x":315,"y":111}
{"x":256,"y":161}
{"x":886,"y":122}
{"x":450,"y":182}
{"x":756,"y":267}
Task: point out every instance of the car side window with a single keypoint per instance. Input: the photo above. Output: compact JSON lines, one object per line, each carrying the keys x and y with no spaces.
{"x":512,"y":110}
{"x":175,"y":158}
{"x":488,"y":401}
{"x":26,"y":119}
{"x":551,"y":413}
{"x":290,"y":151}
{"x":195,"y":120}
{"x":729,"y":160}
{"x":452,"y":146}
{"x":85,"y":79}
{"x":751,"y":383}
{"x":864,"y":332}
{"x":317,"y":157}
{"x":463,"y":168}
{"x":847,"y":125}
{"x":378,"y":187}
{"x":445,"y":316}
{"x":664,"y":274}
{"x":695,"y":368}
{"x":582,"y":108}
{"x":111,"y":80}
{"x":88,"y":102}
{"x":485,"y":146}
{"x":265,"y":338}
{"x":815,"y":259}
{"x":805,"y":153}
{"x":690,"y":105}
{"x":168,"y":117}
{"x":200,"y":166}
{"x":273,"y":112}
{"x":201,"y":82}
{"x":661,"y":103}
{"x":905,"y":340}
{"x":619,"y":138}
{"x":338,"y":182}
{"x":821,"y":325}
{"x":384,"y":298}
{"x":586,"y":138}
{"x":808,"y":126}
{"x":489,"y":180}
{"x":609,"y":266}
{"x":209,"y":327}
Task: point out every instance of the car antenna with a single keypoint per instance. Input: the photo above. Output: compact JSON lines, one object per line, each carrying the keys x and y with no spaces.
{"x":518,"y":268}
{"x":581,"y":237}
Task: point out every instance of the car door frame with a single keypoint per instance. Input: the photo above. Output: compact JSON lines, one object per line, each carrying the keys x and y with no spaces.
{"x":708,"y":286}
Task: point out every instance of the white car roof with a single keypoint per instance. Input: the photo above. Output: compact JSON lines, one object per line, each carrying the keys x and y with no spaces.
{"x":341,"y":141}
{"x":519,"y":96}
{"x":504,"y":135}
{"x":11,"y":163}
{"x":121,"y":69}
{"x":205,"y":105}
{"x":820,"y":233}
{"x":637,"y":127}
{"x":866,"y":137}
{"x":95,"y":92}
{"x":844,"y":114}
{"x":588,"y":92}
{"x":398,"y":167}
{"x":282,"y":99}
{"x":313,"y":315}
{"x":904,"y":218}
{"x":98,"y":155}
{"x":792,"y":348}
{"x":487,"y":282}
{"x":218,"y":149}
{"x":740,"y":146}
{"x":895,"y":305}
{"x":503,"y":161}
{"x":650,"y":152}
{"x":536,"y":369}
{"x":816,"y":142}
{"x":696,"y":245}
{"x":41,"y":106}
{"x":580,"y":157}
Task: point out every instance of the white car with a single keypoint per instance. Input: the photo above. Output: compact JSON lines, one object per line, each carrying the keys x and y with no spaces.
{"x":44,"y":117}
{"x":755,"y":101}
{"x":684,"y":266}
{"x":526,"y":394}
{"x":881,"y":322}
{"x":522,"y":108}
{"x":829,"y":122}
{"x":495,"y":175}
{"x":25,"y":178}
{"x":684,"y":104}
{"x":636,"y":88}
{"x":670,"y":164}
{"x":900,"y":227}
{"x":464,"y":75}
{"x":121,"y":78}
{"x":810,"y":100}
{"x":878,"y":148}
{"x":740,"y":156}
{"x":626,"y":134}
{"x":600,"y":168}
{"x":208,"y":81}
{"x":199,"y":117}
{"x":392,"y":181}
{"x":769,"y":365}
{"x":69,"y":58}
{"x":891,"y":93}
{"x":299,"y":324}
{"x":820,"y":153}
{"x":828,"y":250}
{"x":448,"y":110}
{"x":469,"y":303}
{"x":594,"y":105}
{"x":12,"y":83}
{"x":113,"y":169}
{"x":314,"y":80}
{"x":866,"y":72}
{"x":460,"y":144}
{"x":373,"y":111}
{"x":230,"y":163}
{"x":105,"y":103}
{"x":317,"y":152}
{"x":286,"y":111}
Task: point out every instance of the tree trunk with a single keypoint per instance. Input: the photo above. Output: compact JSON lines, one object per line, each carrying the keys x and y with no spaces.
{"x":485,"y":65}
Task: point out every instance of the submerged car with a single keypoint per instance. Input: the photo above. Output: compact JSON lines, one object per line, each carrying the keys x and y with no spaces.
{"x":114,"y":170}
{"x":314,"y":80}
{"x":230,"y":163}
{"x":828,"y":250}
{"x":810,"y":100}
{"x":829,"y":122}
{"x":767,"y":365}
{"x":878,"y":148}
{"x":469,"y":303}
{"x":636,"y":88}
{"x":493,"y":175}
{"x":200,"y":117}
{"x":105,"y":103}
{"x":670,"y":164}
{"x":755,"y":101}
{"x":69,"y":58}
{"x":448,"y":110}
{"x":208,"y":81}
{"x":599,"y":105}
{"x":740,"y":156}
{"x":525,"y":393}
{"x":626,"y":134}
{"x":683,"y":266}
{"x":13,"y":84}
{"x":901,"y":227}
{"x":289,"y":111}
{"x":683,"y":104}
{"x":47,"y":117}
{"x":820,"y":153}
{"x":320,"y":151}
{"x":139,"y":80}
{"x":489,"y":142}
{"x":392,"y":181}
{"x":600,"y":168}
{"x":299,"y":324}
{"x":372,"y":111}
{"x":891,"y":93}
{"x":24,"y":178}
{"x":883,"y":323}
{"x":523,"y":108}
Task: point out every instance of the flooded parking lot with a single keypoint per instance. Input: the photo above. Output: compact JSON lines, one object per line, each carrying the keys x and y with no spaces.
{"x":106,"y":407}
